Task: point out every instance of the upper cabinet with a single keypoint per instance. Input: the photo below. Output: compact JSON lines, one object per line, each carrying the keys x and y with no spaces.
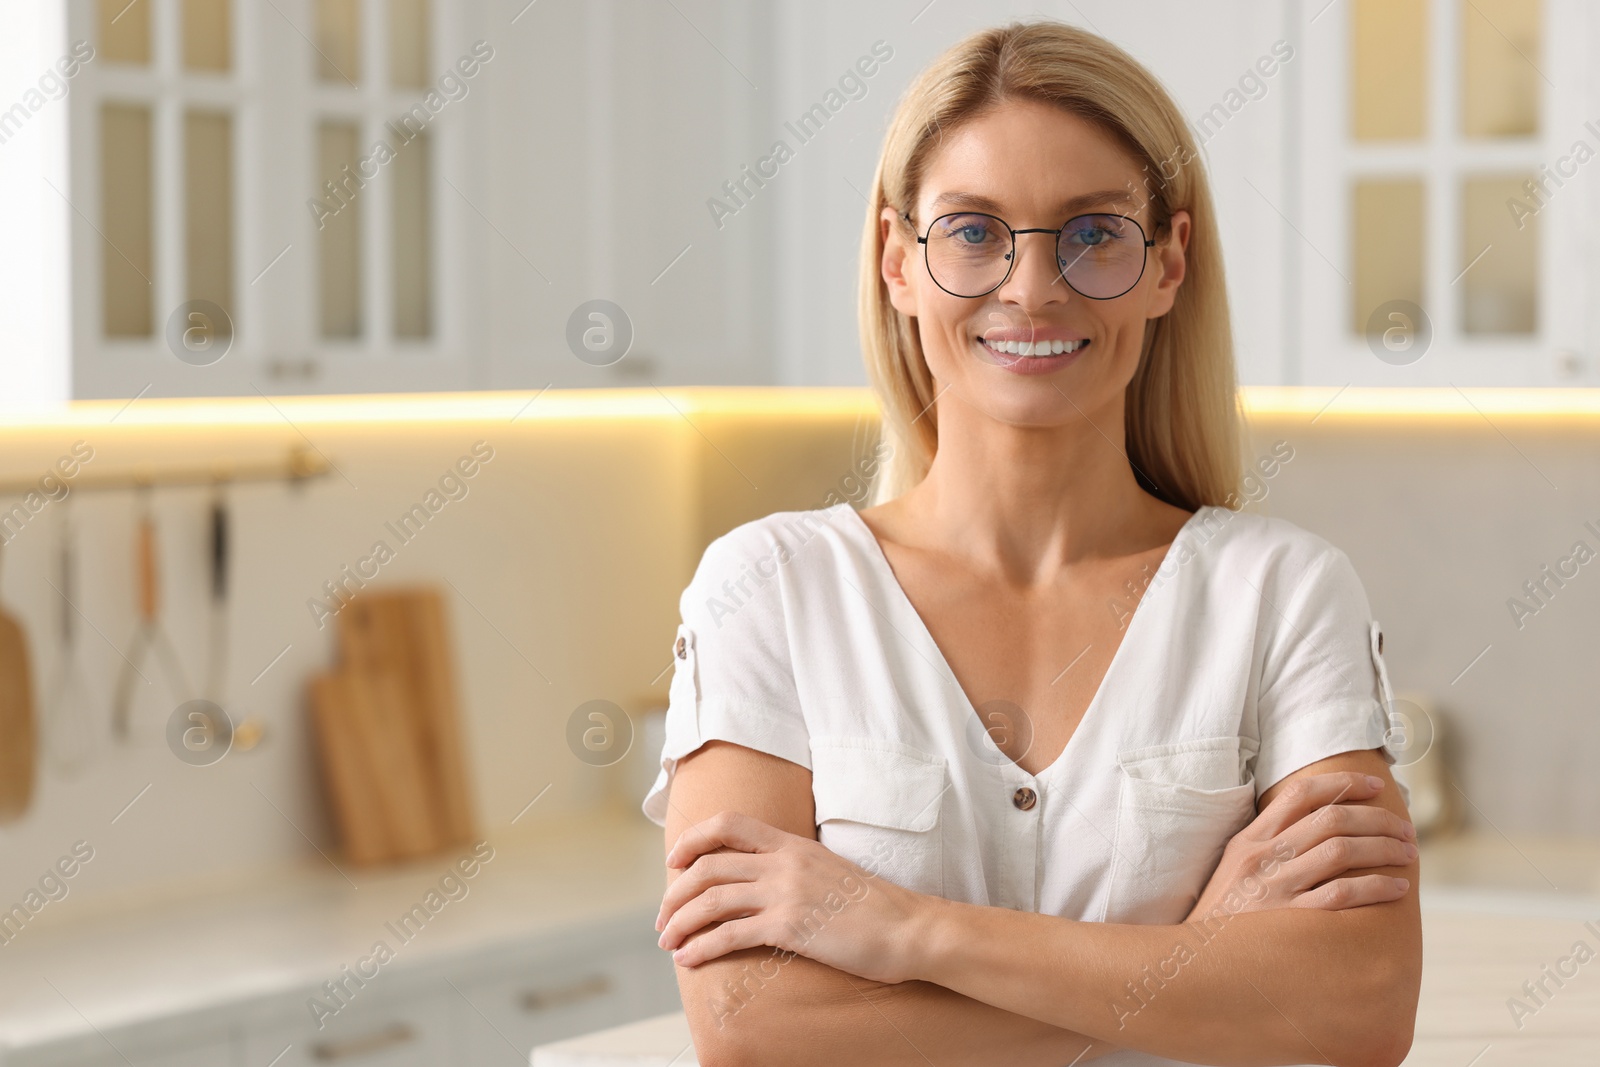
{"x":260,"y":196}
{"x":288,"y":196}
{"x":1442,"y":194}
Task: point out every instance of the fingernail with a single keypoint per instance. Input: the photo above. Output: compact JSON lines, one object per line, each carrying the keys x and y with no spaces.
{"x":1401,"y":884}
{"x":677,"y":957}
{"x":1411,"y":852}
{"x":1410,"y":830}
{"x":1374,"y":781}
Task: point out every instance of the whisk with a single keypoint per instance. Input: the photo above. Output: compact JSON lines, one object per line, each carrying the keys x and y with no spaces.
{"x":149,"y":635}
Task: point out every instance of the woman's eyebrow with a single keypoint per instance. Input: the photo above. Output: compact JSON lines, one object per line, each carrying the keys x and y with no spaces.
{"x":975,"y":202}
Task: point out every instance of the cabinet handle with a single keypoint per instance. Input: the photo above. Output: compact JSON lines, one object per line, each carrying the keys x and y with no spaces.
{"x":398,"y":1034}
{"x":559,"y":996}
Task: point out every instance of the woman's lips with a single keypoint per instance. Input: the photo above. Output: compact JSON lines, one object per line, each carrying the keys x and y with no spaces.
{"x":1017,"y":363}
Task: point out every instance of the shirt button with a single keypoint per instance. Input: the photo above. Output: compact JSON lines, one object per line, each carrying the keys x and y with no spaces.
{"x":1024,"y":798}
{"x":681,"y":649}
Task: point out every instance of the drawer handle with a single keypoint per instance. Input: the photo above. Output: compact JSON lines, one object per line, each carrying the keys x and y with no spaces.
{"x":560,"y":996}
{"x":398,"y":1034}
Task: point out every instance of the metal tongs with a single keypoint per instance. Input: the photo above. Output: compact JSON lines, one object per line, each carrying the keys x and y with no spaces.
{"x":149,"y":634}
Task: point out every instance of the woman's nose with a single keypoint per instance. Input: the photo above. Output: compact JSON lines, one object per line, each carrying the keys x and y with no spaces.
{"x":1035,"y":273}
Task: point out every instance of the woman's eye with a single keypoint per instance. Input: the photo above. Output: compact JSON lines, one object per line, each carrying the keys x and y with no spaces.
{"x":968,"y":231}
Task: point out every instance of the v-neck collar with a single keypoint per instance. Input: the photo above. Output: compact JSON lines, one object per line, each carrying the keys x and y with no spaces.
{"x":964,"y":705}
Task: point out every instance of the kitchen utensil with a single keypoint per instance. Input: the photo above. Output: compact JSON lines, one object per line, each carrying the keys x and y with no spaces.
{"x":404,"y":631}
{"x":247,"y":732}
{"x":375,"y":764}
{"x":17,"y":728}
{"x":149,"y":635}
{"x":349,"y":772}
{"x":217,"y":647}
{"x":70,"y":736}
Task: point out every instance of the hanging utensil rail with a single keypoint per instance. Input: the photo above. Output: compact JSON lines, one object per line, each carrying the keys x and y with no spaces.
{"x":301,"y":465}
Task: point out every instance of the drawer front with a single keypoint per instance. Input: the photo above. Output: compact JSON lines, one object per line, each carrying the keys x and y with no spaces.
{"x":506,"y":1015}
{"x":413,"y":1031}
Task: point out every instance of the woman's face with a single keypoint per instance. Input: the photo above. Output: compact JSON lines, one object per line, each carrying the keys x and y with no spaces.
{"x":1034,"y":166}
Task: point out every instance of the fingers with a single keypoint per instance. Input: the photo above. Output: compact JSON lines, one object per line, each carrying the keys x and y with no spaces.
{"x":1353,"y":892}
{"x":704,"y":873}
{"x":719,"y":903}
{"x":1345,"y":820}
{"x":729,"y":937}
{"x":727,"y":829}
{"x":1337,"y":855}
{"x":1304,"y":795}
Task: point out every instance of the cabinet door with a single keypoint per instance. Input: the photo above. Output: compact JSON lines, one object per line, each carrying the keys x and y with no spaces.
{"x":411,"y":1031}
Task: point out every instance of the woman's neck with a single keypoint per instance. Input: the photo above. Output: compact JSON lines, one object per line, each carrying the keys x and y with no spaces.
{"x":1027,"y":501}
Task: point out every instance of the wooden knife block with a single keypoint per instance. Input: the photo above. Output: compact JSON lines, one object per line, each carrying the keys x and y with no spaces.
{"x":388,"y":730}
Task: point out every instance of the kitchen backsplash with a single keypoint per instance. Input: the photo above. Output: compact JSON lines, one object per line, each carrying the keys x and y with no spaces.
{"x":562,"y":529}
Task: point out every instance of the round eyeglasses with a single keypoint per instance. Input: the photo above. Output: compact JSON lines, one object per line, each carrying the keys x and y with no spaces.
{"x":970,"y":254}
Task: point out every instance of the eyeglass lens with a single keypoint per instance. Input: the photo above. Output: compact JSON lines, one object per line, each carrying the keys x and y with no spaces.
{"x":1100,"y":256}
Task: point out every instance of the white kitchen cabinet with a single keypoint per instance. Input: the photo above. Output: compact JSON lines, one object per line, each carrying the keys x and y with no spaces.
{"x":143,"y":1049}
{"x":373,"y":1030}
{"x":508,"y":1014}
{"x":483,"y":1007}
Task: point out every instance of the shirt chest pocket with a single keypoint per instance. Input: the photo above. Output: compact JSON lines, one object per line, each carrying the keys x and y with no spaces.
{"x":1178,"y":806}
{"x":877,"y":805}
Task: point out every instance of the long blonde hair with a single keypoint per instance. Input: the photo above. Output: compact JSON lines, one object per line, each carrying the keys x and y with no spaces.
{"x":1182,"y":413}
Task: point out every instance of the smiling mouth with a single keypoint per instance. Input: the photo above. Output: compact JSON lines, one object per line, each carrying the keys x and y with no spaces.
{"x":1033,"y":349}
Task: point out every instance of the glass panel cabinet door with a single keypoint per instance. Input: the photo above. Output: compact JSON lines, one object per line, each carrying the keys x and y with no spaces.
{"x":1446,"y":199}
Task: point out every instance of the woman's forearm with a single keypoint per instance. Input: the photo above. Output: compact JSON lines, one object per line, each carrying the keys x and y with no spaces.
{"x":754,"y":1008}
{"x":1290,"y":985}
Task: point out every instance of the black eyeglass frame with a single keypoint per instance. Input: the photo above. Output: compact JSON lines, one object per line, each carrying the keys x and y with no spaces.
{"x":1011,"y":256}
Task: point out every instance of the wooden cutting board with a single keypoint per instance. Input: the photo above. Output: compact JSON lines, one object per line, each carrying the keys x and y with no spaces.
{"x":18,"y":730}
{"x":404,"y":633}
{"x":387,"y":726}
{"x":349,"y":773}
{"x":376,"y":771}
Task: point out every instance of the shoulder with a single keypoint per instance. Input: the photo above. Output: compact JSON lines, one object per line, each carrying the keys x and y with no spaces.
{"x":1275,"y":549}
{"x":766,"y":560}
{"x":774,"y":540}
{"x":1295,"y":571}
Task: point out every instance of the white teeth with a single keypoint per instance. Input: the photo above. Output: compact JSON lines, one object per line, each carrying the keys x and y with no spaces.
{"x":1034,"y":348}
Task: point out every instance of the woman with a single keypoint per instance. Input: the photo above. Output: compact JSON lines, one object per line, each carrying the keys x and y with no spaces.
{"x":1052,"y":754}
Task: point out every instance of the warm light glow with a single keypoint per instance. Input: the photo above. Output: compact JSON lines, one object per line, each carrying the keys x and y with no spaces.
{"x":1419,"y":405}
{"x":531,"y":406}
{"x":1326,"y":404}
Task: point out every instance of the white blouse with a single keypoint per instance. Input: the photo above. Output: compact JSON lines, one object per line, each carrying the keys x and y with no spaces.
{"x":1252,"y":653}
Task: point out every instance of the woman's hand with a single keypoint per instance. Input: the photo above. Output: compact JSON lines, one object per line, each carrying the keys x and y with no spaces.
{"x":787,"y":891}
{"x":1303,"y":848}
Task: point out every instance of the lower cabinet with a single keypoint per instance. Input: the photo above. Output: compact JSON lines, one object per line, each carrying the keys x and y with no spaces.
{"x":509,"y":1013}
{"x":478,"y":1009}
{"x":385,"y":1031}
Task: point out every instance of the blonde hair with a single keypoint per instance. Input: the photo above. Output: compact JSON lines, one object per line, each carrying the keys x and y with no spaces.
{"x":1182,"y":416}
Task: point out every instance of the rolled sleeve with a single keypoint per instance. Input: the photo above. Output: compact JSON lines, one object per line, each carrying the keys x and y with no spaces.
{"x":1324,"y":687}
{"x":733,"y":675}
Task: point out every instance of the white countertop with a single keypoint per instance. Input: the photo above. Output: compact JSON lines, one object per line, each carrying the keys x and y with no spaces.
{"x":202,"y":946}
